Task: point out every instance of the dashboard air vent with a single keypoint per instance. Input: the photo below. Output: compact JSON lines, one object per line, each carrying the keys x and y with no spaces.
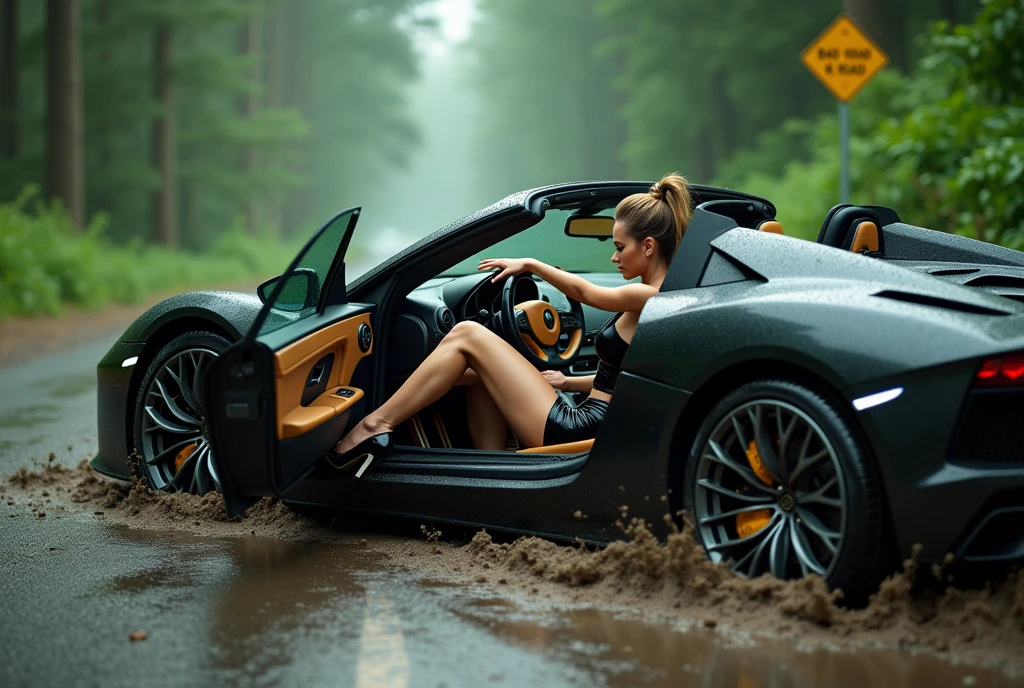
{"x":445,"y":319}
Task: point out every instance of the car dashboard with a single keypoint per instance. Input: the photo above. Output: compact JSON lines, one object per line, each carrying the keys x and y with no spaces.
{"x":435,"y":307}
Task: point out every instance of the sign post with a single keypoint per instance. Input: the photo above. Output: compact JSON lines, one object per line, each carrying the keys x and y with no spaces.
{"x":844,"y":59}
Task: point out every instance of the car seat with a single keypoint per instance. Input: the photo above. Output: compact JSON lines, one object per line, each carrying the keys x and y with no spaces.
{"x":857,"y":228}
{"x":745,"y":213}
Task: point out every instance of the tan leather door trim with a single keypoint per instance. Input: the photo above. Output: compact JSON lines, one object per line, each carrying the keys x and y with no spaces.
{"x":302,"y":419}
{"x":567,"y":448}
{"x":293,"y":363}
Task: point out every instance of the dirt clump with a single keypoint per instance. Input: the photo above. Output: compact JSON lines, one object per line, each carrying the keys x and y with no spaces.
{"x":136,"y":504}
{"x":669,"y":579}
{"x":675,"y":579}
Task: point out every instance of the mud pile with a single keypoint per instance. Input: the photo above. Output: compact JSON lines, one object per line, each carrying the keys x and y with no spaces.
{"x":136,"y":504}
{"x":670,"y":579}
{"x":675,"y":579}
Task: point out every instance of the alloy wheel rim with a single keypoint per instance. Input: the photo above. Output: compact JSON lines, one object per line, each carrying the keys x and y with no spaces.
{"x":770,"y":495}
{"x":174,"y":426}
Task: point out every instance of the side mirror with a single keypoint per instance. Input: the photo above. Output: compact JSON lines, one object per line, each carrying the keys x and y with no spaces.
{"x":301,"y":291}
{"x":594,"y":226}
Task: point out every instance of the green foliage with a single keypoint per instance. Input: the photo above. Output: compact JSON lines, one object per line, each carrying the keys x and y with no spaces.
{"x":962,"y":155}
{"x":944,"y":147}
{"x":703,"y":79}
{"x":45,"y":265}
{"x":245,"y":118}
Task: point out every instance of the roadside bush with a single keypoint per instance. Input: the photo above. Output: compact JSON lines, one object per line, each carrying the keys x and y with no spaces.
{"x":945,"y":147}
{"x":44,"y":264}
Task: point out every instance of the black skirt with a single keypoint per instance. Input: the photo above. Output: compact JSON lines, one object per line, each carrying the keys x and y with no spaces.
{"x":567,"y":423}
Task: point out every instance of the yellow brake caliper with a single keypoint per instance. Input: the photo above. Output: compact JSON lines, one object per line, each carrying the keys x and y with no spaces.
{"x":183,"y":456}
{"x":753,"y":521}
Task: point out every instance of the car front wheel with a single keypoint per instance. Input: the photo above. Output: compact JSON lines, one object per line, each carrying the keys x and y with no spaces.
{"x":171,"y":438}
{"x":779,"y":482}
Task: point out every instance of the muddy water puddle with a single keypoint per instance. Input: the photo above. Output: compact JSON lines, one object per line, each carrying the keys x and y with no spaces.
{"x":622,"y":650}
{"x":336,"y":607}
{"x":319,"y":612}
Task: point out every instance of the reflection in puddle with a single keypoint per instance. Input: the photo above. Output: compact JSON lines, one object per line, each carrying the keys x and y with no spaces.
{"x":626,"y":652}
{"x":275,"y":612}
{"x":382,"y":658}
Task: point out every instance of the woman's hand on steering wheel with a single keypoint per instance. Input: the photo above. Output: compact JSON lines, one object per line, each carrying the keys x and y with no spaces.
{"x":505,"y":266}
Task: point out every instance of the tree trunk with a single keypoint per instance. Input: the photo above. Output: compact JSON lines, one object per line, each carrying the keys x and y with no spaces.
{"x":10,"y":86}
{"x":298,"y":59}
{"x":103,"y":18}
{"x":725,"y":115}
{"x":885,"y":21}
{"x":948,"y":10}
{"x":164,"y":204}
{"x":65,"y":159}
{"x":249,"y":46}
{"x":705,"y":157}
{"x":276,"y":32}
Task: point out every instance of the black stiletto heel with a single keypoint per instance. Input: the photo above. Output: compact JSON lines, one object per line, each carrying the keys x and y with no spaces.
{"x":367,"y":454}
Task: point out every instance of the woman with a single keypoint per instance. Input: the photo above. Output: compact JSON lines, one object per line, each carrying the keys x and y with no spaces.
{"x":505,"y":389}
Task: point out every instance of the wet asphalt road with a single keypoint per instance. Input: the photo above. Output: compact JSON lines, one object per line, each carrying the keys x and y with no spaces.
{"x":256,"y":611}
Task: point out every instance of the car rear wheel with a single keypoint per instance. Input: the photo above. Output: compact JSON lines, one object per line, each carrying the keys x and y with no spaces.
{"x":779,"y":482}
{"x":170,"y":424}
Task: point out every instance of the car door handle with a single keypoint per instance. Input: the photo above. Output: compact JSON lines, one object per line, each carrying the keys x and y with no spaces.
{"x":316,"y":374}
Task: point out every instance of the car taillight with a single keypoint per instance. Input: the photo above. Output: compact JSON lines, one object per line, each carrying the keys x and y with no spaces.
{"x":1002,"y":371}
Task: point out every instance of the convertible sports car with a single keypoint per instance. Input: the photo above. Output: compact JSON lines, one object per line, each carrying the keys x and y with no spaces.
{"x":818,"y":407}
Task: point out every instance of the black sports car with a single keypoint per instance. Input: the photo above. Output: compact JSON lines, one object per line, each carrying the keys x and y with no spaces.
{"x":819,"y":407}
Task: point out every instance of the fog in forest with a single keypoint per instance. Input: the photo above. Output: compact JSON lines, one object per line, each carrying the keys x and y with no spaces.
{"x":157,"y":133}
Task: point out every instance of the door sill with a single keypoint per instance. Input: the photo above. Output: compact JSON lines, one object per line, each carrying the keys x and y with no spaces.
{"x":472,"y":463}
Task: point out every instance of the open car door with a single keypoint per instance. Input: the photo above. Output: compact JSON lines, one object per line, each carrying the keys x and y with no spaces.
{"x":277,"y":400}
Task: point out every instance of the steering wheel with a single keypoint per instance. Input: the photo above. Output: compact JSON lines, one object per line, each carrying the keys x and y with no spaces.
{"x":534,"y":327}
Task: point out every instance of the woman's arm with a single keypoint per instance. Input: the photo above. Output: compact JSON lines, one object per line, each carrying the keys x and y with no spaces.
{"x":628,"y":297}
{"x":581,"y":383}
{"x":566,"y":383}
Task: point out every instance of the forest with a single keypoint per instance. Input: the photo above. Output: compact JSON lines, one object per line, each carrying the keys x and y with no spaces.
{"x":148,"y":145}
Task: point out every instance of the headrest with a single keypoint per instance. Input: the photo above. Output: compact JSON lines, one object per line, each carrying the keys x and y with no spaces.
{"x":840,"y":226}
{"x":865,"y":237}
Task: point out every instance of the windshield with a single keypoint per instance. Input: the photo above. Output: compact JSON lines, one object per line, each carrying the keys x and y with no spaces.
{"x":547,"y":242}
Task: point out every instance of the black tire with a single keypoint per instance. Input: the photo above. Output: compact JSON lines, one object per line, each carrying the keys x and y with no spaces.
{"x":858,"y":557}
{"x":181,"y":354}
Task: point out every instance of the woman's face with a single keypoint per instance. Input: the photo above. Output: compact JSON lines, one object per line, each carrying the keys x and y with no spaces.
{"x":630,"y":255}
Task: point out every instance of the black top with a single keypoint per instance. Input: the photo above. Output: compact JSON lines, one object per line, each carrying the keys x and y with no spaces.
{"x":611,"y":349}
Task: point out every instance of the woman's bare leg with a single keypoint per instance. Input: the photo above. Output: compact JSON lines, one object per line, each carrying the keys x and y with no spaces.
{"x":487,"y":425}
{"x":520,"y":392}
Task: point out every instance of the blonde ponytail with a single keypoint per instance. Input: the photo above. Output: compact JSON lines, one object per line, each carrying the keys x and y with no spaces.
{"x":663,"y":213}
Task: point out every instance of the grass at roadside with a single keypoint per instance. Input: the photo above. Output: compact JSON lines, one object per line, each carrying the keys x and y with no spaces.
{"x":45,"y":265}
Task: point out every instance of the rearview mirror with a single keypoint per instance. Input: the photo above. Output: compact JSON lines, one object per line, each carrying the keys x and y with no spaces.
{"x":595,"y":226}
{"x":301,"y":291}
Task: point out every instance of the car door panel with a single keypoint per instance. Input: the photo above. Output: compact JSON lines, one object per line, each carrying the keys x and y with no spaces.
{"x":280,"y":398}
{"x":294,"y":363}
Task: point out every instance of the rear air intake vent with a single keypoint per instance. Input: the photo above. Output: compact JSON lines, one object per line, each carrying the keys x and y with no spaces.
{"x":990,"y":432}
{"x":952,"y":272}
{"x":996,"y":281}
{"x":936,"y":302}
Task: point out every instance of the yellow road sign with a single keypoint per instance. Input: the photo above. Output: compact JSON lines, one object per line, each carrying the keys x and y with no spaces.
{"x":843,"y":58}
